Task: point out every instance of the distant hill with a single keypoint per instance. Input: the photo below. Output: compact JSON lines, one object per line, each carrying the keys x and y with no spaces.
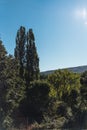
{"x":78,"y":69}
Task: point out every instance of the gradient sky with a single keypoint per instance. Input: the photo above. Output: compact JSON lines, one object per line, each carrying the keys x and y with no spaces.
{"x":60,"y":28}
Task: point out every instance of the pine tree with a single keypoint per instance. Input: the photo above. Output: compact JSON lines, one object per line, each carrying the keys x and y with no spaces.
{"x":20,"y":48}
{"x":32,"y":60}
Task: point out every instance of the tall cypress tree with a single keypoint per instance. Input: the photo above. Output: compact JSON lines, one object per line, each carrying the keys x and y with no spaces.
{"x":20,"y":48}
{"x":32,"y":60}
{"x":26,"y":54}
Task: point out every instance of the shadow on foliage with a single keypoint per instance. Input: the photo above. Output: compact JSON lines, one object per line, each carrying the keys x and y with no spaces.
{"x":78,"y":123}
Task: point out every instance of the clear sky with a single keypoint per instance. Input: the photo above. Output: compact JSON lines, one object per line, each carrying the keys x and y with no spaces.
{"x":60,"y":28}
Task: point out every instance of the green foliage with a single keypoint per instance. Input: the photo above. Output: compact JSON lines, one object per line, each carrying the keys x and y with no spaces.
{"x":83,"y":89}
{"x":39,"y":91}
{"x":43,"y":76}
{"x":15,"y":84}
{"x":11,"y":89}
{"x":7,"y":121}
{"x":64,"y":82}
{"x":26,"y":54}
{"x":36,"y":103}
{"x":53,"y":92}
{"x":20,"y":48}
{"x":32,"y":60}
{"x":2,"y":50}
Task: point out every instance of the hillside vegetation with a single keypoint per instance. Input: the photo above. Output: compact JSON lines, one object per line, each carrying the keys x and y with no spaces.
{"x":32,"y":100}
{"x":78,"y":69}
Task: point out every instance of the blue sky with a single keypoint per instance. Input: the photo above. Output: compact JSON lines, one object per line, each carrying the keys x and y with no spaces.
{"x":60,"y":28}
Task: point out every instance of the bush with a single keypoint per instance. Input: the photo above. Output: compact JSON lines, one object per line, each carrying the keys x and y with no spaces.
{"x":36,"y":101}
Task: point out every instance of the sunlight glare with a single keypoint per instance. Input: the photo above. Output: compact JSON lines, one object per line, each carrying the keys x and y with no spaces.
{"x":84,"y":13}
{"x":86,"y":23}
{"x":81,"y":13}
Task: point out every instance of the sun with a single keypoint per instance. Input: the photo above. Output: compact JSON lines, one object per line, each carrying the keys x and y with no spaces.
{"x":84,"y":13}
{"x":81,"y":13}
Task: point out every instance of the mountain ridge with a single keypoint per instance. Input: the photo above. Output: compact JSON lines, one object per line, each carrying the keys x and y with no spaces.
{"x":77,"y":69}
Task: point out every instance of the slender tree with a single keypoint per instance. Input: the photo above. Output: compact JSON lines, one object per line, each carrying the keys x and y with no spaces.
{"x":20,"y":48}
{"x":32,"y":60}
{"x":26,"y":54}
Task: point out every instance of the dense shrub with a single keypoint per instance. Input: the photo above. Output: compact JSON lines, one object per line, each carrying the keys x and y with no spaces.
{"x":36,"y":101}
